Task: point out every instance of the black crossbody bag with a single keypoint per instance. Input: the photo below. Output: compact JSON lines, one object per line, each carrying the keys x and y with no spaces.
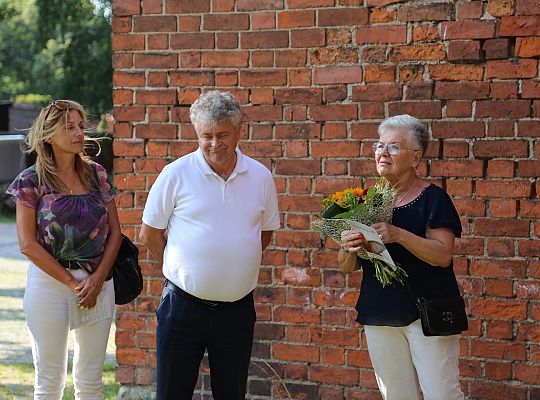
{"x":441,"y":316}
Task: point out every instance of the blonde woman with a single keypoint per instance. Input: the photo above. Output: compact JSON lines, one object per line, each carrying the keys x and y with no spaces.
{"x":68,"y":228}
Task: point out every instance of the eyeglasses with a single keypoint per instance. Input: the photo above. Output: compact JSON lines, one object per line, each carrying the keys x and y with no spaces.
{"x":61,"y":105}
{"x":393,"y":148}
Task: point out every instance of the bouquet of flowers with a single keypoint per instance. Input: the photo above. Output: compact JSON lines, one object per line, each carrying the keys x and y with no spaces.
{"x":356,"y":209}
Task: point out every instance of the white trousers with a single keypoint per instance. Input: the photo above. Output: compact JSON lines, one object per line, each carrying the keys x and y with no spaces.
{"x":47,"y":311}
{"x":404,"y":358}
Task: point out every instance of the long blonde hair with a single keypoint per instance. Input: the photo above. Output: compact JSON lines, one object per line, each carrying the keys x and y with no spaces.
{"x":49,"y":122}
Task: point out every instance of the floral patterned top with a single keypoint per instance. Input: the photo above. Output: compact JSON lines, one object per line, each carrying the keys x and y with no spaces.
{"x":70,"y":227}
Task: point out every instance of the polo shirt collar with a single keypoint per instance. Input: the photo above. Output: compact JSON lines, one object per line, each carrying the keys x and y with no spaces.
{"x":241,"y":164}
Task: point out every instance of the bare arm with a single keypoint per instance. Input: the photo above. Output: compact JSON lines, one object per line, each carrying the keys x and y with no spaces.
{"x":436,"y":248}
{"x":154,"y":240}
{"x":266,"y":238}
{"x":30,"y":247}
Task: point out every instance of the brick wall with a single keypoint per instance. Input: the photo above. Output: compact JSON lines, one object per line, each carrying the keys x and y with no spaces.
{"x":316,"y":78}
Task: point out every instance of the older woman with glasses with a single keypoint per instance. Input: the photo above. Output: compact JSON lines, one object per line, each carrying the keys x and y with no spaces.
{"x":68,"y":228}
{"x":421,"y":239}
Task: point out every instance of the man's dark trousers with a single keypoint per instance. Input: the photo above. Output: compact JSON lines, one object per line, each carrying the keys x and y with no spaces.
{"x":186,"y":328}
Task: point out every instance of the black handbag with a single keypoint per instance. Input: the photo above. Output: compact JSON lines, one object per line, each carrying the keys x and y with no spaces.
{"x":126,"y":273}
{"x":442,"y":316}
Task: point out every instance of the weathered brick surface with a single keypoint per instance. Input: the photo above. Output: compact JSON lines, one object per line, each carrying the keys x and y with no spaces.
{"x":316,"y":77}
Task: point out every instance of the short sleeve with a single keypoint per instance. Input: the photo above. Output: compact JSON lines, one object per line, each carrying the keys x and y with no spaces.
{"x":25,"y":188}
{"x":161,"y":200}
{"x":105,"y":183}
{"x":270,"y":220}
{"x":441,"y":212}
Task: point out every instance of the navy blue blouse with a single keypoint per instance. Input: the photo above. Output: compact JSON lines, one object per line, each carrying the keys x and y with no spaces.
{"x":394,"y":305}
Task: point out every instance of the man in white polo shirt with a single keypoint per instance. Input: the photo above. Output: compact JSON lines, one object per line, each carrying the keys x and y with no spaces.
{"x":208,"y":218}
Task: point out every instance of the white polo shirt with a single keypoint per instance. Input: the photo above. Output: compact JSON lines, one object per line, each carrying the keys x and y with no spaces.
{"x":213,"y":226}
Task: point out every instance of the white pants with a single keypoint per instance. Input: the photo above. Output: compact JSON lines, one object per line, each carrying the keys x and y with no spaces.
{"x":403,"y":358}
{"x":47,"y":311}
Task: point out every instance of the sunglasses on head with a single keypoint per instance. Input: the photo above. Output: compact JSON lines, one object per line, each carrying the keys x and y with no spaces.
{"x":61,"y":105}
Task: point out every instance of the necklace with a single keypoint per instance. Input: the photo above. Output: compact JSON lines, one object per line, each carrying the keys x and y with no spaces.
{"x":406,"y":193}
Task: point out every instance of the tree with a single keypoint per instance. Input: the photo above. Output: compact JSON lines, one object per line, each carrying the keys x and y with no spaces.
{"x":57,"y":47}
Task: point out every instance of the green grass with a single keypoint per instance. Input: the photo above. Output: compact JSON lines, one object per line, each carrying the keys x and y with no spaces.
{"x":7,"y":218}
{"x":17,"y":381}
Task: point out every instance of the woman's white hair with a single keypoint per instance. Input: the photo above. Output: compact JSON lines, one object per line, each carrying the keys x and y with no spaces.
{"x":216,"y":107}
{"x":409,"y":124}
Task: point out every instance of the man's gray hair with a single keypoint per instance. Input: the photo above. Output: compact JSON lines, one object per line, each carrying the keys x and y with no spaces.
{"x":409,"y":124}
{"x":216,"y":107}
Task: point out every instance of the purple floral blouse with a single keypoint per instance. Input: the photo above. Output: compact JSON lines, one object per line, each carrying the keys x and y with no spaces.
{"x":70,"y":227}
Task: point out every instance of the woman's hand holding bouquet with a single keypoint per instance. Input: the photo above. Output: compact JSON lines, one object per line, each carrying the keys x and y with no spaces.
{"x":346,"y":218}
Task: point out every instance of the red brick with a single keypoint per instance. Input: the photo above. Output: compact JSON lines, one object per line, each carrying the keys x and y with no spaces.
{"x":420,"y":109}
{"x":520,"y":26}
{"x":298,"y":96}
{"x":345,"y":16}
{"x":151,"y":6}
{"x":455,"y":72}
{"x":126,"y":7}
{"x":529,"y":168}
{"x":190,"y":59}
{"x":121,"y":24}
{"x":528,"y":47}
{"x":512,"y":69}
{"x":156,"y":60}
{"x":216,"y":59}
{"x":504,"y":90}
{"x":427,"y":52}
{"x":264,"y":40}
{"x":296,"y":19}
{"x":186,"y":6}
{"x":469,"y":9}
{"x":501,"y":227}
{"x":494,"y":148}
{"x":499,"y":310}
{"x":333,"y":55}
{"x":376,"y":92}
{"x":291,"y":352}
{"x":189,"y":23}
{"x":455,"y":149}
{"x":430,"y":12}
{"x":337,"y":74}
{"x":499,"y":268}
{"x":308,"y":38}
{"x":455,"y":108}
{"x":298,"y":131}
{"x":155,"y":96}
{"x":160,"y":23}
{"x":467,"y":30}
{"x":128,"y":41}
{"x":345,"y":112}
{"x":262,"y":113}
{"x":500,"y":128}
{"x":156,"y":131}
{"x":425,"y":33}
{"x":333,"y":149}
{"x":290,"y":58}
{"x":464,"y":51}
{"x":503,"y":108}
{"x":334,"y":375}
{"x":462,"y":90}
{"x":158,"y":42}
{"x":131,"y":113}
{"x":527,"y":7}
{"x":309,"y":3}
{"x":500,"y":8}
{"x":271,"y":77}
{"x":379,"y":73}
{"x":128,"y":79}
{"x":252,"y":5}
{"x":512,"y":189}
{"x":192,"y":41}
{"x":192,"y":78}
{"x":381,"y":34}
{"x":472,"y":168}
{"x":226,"y":22}
{"x":496,"y":48}
{"x":500,"y":169}
{"x":382,"y":14}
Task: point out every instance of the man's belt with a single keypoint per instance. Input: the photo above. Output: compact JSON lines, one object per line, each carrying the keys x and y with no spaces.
{"x":211,"y":304}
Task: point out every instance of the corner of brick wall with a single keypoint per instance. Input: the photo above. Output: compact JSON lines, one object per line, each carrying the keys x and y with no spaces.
{"x":316,"y":77}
